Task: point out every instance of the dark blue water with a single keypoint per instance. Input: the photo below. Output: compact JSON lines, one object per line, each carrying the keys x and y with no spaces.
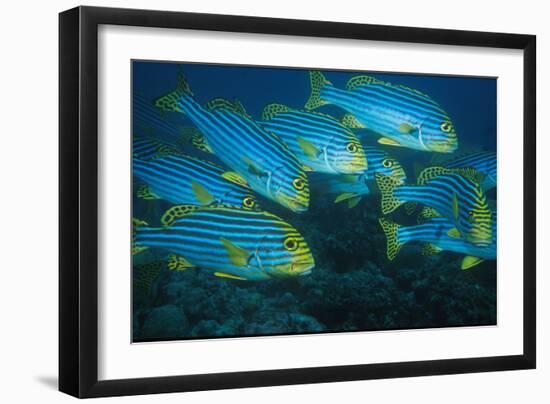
{"x":353,"y":286}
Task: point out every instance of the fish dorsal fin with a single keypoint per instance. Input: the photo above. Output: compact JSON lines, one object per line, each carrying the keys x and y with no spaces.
{"x":175,"y":212}
{"x":178,"y":263}
{"x":430,"y":249}
{"x":236,"y":178}
{"x":170,"y":101}
{"x":317,"y":81}
{"x":470,"y":261}
{"x":351,"y":122}
{"x":471,"y":173}
{"x":393,"y":245}
{"x":191,"y":135}
{"x":237,"y":255}
{"x":272,"y":110}
{"x":222,"y":104}
{"x":229,"y":276}
{"x":307,"y":147}
{"x":201,"y":193}
{"x":430,"y":173}
{"x":427,"y":213}
{"x":144,"y":192}
{"x":345,"y":196}
{"x":360,"y":81}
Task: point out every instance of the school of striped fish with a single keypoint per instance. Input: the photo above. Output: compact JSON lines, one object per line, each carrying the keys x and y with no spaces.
{"x":213,"y":175}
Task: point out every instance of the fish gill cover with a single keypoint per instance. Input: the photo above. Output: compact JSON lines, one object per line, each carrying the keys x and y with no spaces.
{"x":272,"y":201}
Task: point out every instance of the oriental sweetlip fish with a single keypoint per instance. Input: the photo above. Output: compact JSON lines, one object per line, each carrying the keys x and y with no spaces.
{"x":263,"y":160}
{"x":401,"y":116}
{"x":434,"y":235}
{"x":234,"y":243}
{"x":184,"y":179}
{"x":454,"y":193}
{"x":319,"y":141}
{"x":352,"y":187}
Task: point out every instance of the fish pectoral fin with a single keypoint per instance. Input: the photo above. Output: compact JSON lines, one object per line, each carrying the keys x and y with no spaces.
{"x":237,"y":255}
{"x":201,"y":193}
{"x":345,"y":196}
{"x":454,"y":233}
{"x":178,"y":263}
{"x":252,"y":168}
{"x":389,"y":142}
{"x":470,"y":261}
{"x":229,"y":276}
{"x":352,"y":203}
{"x":307,"y":168}
{"x":236,"y":178}
{"x":308,"y":148}
{"x":406,"y":128}
{"x":455,"y":205}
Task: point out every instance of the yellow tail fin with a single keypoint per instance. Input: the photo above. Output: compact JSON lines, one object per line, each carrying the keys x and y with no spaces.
{"x":393,"y":245}
{"x":387,"y":186}
{"x":318,"y":81}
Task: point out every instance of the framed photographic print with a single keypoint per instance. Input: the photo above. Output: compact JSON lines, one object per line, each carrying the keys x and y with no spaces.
{"x":250,"y":201}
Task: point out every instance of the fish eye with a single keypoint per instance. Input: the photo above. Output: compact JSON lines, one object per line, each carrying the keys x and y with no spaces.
{"x":387,"y":163}
{"x":248,"y":202}
{"x":352,"y":147}
{"x":290,"y":243}
{"x":299,"y":183}
{"x":446,"y":127}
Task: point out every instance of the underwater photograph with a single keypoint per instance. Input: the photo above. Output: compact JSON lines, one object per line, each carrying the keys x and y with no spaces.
{"x":281,"y":201}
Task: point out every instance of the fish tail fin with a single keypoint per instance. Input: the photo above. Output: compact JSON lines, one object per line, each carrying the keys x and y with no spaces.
{"x":393,"y":244}
{"x":387,"y":186}
{"x":172,"y":102}
{"x":137,"y":247}
{"x":318,"y":81}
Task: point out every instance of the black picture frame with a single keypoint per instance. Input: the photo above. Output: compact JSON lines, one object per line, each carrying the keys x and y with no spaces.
{"x":78,"y":207}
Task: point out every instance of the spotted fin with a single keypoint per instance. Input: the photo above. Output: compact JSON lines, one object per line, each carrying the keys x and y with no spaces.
{"x":178,"y":263}
{"x":387,"y":186}
{"x":350,"y":121}
{"x":175,"y":212}
{"x":318,"y":81}
{"x":345,"y":196}
{"x":307,"y":147}
{"x":470,"y":261}
{"x":427,"y":213}
{"x":201,"y":193}
{"x":229,"y":276}
{"x":144,"y":192}
{"x":389,"y":142}
{"x":430,"y":249}
{"x":361,"y":81}
{"x":430,"y":173}
{"x":221,"y":104}
{"x":196,"y":138}
{"x":393,"y":245}
{"x":272,"y":110}
{"x":237,"y":255}
{"x":236,"y":178}
{"x":144,"y":276}
{"x":170,"y":101}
